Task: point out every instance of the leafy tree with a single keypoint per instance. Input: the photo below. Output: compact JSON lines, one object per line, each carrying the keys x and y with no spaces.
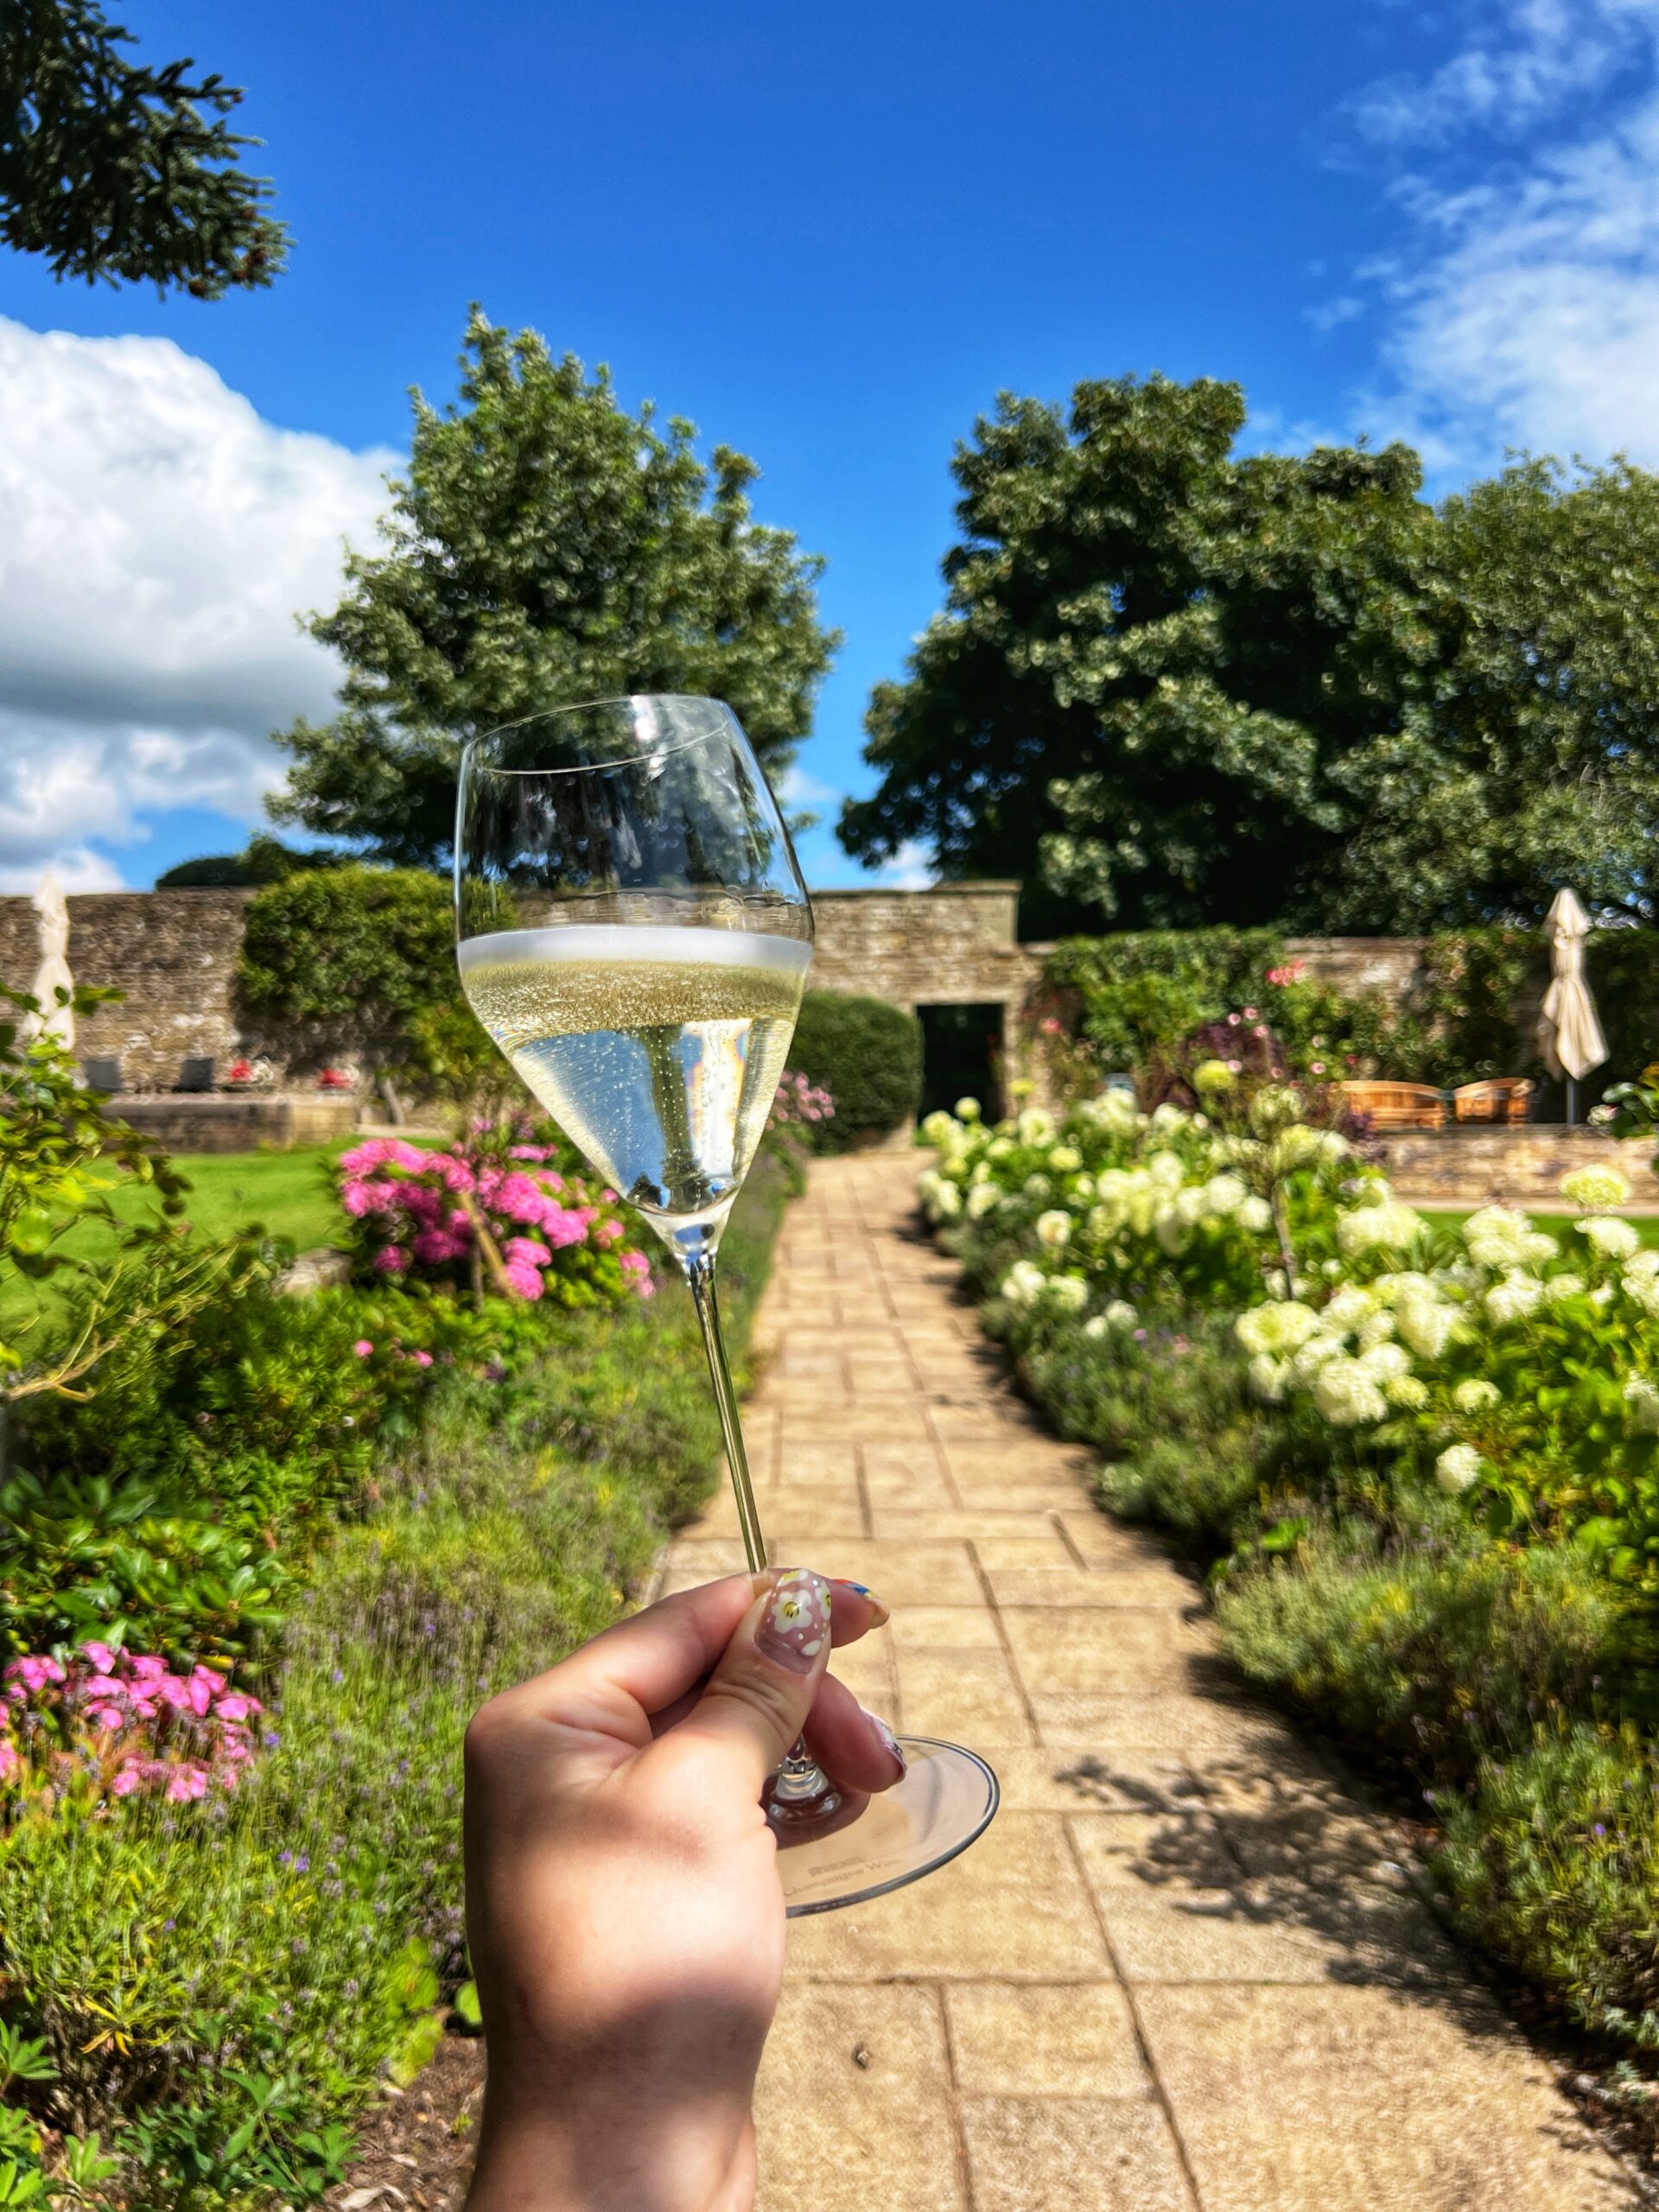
{"x":545,"y":546}
{"x":349,"y":956}
{"x":1531,"y":757}
{"x":1151,"y":654}
{"x":266,"y":860}
{"x":119,"y":172}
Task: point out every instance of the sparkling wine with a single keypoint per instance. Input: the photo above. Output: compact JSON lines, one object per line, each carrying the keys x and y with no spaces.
{"x":658,"y":1050}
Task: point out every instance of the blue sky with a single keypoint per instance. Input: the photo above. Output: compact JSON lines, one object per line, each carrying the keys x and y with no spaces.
{"x":829,"y":244}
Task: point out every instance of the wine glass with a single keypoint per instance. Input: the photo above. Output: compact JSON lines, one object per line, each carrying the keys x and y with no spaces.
{"x":633,"y":932}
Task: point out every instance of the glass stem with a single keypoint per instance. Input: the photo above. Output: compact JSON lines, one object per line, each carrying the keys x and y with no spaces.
{"x":800,"y":1779}
{"x":700,"y":1275}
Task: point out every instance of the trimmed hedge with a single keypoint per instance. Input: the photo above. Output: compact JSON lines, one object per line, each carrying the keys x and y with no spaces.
{"x":867,"y":1055}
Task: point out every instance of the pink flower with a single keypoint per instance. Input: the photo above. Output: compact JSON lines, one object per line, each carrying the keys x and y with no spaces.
{"x":238,"y":1706}
{"x":422,"y":1358}
{"x":9,"y":1761}
{"x":526,"y":1282}
{"x":188,"y":1783}
{"x":363,"y":1347}
{"x":127,"y":1778}
{"x":391,"y":1260}
{"x":148,"y":1667}
{"x":108,"y":1716}
{"x":564,"y":1228}
{"x":635,"y":1263}
{"x":101,"y":1656}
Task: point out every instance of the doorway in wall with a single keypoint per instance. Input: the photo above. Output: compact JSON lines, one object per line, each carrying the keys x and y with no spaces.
{"x":961,"y":1056}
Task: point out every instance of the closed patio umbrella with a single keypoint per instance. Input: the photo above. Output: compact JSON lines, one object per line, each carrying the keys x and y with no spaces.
{"x":1567,"y":1028}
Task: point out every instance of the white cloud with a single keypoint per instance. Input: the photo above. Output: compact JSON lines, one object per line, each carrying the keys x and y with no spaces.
{"x":1527,"y":59}
{"x":1523,"y":304}
{"x":157,"y":539}
{"x":911,"y":868}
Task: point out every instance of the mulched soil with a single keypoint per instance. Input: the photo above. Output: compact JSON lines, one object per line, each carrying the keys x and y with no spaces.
{"x":416,"y":2148}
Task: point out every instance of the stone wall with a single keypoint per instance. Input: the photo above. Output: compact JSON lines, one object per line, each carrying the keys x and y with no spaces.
{"x":952,"y":946}
{"x":1468,"y":1165}
{"x":173,"y":954}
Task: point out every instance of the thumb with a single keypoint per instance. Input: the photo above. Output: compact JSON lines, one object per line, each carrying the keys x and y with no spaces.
{"x":756,"y":1701}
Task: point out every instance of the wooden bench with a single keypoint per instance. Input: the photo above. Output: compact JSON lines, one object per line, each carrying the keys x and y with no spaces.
{"x":1506,"y":1098}
{"x":1397,"y":1105}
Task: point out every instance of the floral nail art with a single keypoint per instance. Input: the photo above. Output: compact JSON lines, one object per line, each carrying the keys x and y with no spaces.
{"x":795,"y":1627}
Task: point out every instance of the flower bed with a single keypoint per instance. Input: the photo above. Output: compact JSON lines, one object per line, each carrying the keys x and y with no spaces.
{"x":254,"y":1584}
{"x":1422,"y":1462}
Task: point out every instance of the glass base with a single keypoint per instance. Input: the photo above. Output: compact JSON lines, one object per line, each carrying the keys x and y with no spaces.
{"x":845,"y":1847}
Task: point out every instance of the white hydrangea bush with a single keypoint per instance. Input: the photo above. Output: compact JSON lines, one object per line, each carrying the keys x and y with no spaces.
{"x":1497,"y":1359}
{"x":1131,"y":1206}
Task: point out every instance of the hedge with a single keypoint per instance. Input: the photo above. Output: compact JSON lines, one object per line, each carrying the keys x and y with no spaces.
{"x":867,"y":1055}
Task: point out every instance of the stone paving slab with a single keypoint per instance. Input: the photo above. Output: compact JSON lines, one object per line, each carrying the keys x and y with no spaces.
{"x":1182,"y":1971}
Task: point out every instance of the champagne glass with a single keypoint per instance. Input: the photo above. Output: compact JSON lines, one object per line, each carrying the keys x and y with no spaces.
{"x":634,"y":934}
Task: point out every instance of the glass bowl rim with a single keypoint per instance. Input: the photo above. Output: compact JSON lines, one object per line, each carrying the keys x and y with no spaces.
{"x":472,"y":763}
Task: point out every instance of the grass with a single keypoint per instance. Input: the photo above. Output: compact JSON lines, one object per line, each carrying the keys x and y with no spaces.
{"x":288,"y":1194}
{"x":1557,"y":1223}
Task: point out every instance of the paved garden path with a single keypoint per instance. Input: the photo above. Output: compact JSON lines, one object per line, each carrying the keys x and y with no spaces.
{"x":1180,"y":1972}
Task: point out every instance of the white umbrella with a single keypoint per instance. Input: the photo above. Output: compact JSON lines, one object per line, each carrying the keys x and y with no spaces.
{"x":53,"y":1020}
{"x":1567,"y":1028}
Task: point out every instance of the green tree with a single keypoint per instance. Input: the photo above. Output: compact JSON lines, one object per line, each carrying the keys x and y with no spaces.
{"x":119,"y":172}
{"x":264,"y":860}
{"x":545,"y":546}
{"x":1151,"y":654}
{"x":1531,"y":759}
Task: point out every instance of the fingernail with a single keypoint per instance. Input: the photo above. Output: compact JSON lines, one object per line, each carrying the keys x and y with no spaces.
{"x":891,"y":1741}
{"x":844,"y":1582}
{"x":795,"y":1627}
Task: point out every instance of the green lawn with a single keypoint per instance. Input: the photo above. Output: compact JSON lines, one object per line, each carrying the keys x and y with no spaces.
{"x":1645,"y":1225}
{"x":288,"y":1193}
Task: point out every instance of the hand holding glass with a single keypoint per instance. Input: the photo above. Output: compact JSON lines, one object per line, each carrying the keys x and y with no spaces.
{"x":634,"y":934}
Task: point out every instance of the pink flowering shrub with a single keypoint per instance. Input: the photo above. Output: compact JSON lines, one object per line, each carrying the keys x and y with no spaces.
{"x":799,"y":1102}
{"x":121,"y":1725}
{"x":556,"y":1236}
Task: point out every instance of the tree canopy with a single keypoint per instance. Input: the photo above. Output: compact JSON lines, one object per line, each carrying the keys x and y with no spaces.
{"x":546,"y":547}
{"x":1173,"y":684}
{"x":119,"y":172}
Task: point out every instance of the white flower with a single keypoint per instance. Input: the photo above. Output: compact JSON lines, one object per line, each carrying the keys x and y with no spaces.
{"x":1268,"y":1377}
{"x":999,"y":1148}
{"x":1097,"y":1326}
{"x":1644,"y":1262}
{"x":1034,"y":1127}
{"x":1495,"y":1235}
{"x":1282,"y":1326}
{"x":1300,"y":1146}
{"x":1120,"y":1314}
{"x":1538,"y":1249}
{"x":1644,"y":1288}
{"x":1168,"y":1117}
{"x":1114,"y":1110}
{"x":947,"y":1202}
{"x":1409,"y":1392}
{"x":1561,"y":1287}
{"x":967,"y":1110}
{"x":1171,"y":1231}
{"x":1224,"y":1195}
{"x":1038,"y":1186}
{"x":1273,"y":1106}
{"x":1069,"y":1292}
{"x":1166,"y":1173}
{"x":1375,"y":1329}
{"x":929,"y":1184}
{"x":1388,"y":1227}
{"x":1054,"y":1228}
{"x":1347,"y":1395}
{"x":1458,"y":1469}
{"x":1080,"y":1186}
{"x":1641,"y":1405}
{"x":1066,"y":1159}
{"x":1617,"y":1239}
{"x":1424,"y":1320}
{"x":1595,"y":1189}
{"x":939,"y":1128}
{"x":1350,"y":1307}
{"x":1474,"y":1395}
{"x":1024,"y":1283}
{"x":1255,"y":1215}
{"x":1513,"y":1298}
{"x":1315,"y":1356}
{"x":984,"y":1199}
{"x":1382,"y":1361}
